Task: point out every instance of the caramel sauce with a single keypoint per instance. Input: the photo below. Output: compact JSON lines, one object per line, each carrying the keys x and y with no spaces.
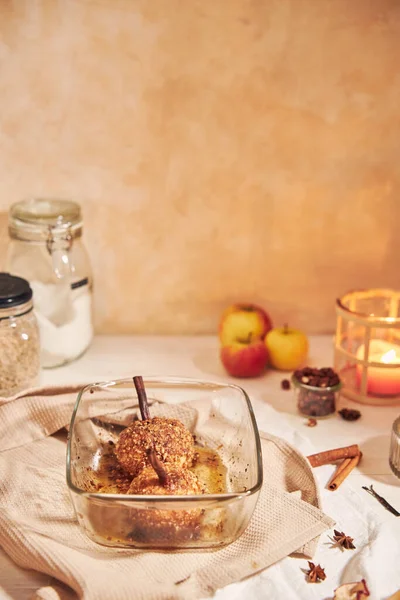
{"x":140,"y":528}
{"x":210,"y":470}
{"x":108,"y":477}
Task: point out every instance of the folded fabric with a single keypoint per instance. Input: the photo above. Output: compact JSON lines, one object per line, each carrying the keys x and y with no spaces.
{"x":34,"y":414}
{"x":39,"y":531}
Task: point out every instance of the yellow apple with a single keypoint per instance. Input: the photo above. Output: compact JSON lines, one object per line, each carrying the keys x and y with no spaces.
{"x":287,"y":348}
{"x":243,"y":323}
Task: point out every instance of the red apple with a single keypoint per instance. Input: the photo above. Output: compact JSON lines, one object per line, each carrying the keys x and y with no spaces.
{"x":244,"y":359}
{"x":243,"y":323}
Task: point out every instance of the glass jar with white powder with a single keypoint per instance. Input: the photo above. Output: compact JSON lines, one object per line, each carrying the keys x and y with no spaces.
{"x":46,"y":248}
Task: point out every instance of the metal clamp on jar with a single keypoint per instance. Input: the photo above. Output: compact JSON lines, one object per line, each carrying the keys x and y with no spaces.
{"x":46,"y":249}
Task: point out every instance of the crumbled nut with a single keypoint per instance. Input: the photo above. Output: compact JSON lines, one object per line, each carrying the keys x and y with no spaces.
{"x":172,"y":442}
{"x":179,"y":481}
{"x":312,"y":423}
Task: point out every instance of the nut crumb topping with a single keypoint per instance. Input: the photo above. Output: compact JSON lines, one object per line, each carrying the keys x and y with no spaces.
{"x":179,"y":481}
{"x":172,"y":442}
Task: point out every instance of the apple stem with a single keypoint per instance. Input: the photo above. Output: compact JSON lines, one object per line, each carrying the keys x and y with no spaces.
{"x":142,"y":397}
{"x":157,"y":466}
{"x":285,"y":328}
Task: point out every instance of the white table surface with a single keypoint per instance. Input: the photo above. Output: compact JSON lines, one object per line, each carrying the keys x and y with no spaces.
{"x":376,"y":532}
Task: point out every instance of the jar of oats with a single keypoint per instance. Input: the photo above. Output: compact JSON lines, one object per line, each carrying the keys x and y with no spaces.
{"x":19,"y":336}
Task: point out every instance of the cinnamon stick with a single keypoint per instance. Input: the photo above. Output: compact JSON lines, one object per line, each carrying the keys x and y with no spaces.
{"x":343,"y":470}
{"x":157,"y":466}
{"x":142,"y":397}
{"x":328,"y":456}
{"x":341,"y":466}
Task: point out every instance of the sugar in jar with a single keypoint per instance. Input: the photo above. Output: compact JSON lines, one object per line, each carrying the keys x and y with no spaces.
{"x":46,"y":248}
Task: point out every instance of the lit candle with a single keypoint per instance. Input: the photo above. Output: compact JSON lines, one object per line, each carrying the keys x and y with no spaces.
{"x":381,"y":381}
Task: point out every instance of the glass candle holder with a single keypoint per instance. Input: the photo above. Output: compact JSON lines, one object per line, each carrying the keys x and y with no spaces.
{"x":394,"y":453}
{"x":367,"y":346}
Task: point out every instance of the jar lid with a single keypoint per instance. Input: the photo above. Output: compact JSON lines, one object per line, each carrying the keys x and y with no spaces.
{"x":36,"y":216}
{"x":13,"y":290}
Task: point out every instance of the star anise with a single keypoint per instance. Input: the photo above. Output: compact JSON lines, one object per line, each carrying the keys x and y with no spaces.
{"x":343,"y":540}
{"x":315,"y":573}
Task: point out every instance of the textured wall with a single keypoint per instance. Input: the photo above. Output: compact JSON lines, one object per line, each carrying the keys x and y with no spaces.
{"x":222,"y":149}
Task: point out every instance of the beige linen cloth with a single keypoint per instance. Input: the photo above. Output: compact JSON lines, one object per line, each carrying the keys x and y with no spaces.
{"x":38,"y":529}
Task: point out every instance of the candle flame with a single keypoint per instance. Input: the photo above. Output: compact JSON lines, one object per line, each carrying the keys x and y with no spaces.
{"x":389,"y":356}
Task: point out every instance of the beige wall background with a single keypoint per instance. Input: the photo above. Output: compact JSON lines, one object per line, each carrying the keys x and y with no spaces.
{"x":222,"y":150}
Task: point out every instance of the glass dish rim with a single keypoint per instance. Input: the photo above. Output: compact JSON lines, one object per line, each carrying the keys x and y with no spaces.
{"x":150,"y":499}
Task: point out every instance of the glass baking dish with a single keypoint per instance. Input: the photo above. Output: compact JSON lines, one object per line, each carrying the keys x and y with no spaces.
{"x":222,"y":420}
